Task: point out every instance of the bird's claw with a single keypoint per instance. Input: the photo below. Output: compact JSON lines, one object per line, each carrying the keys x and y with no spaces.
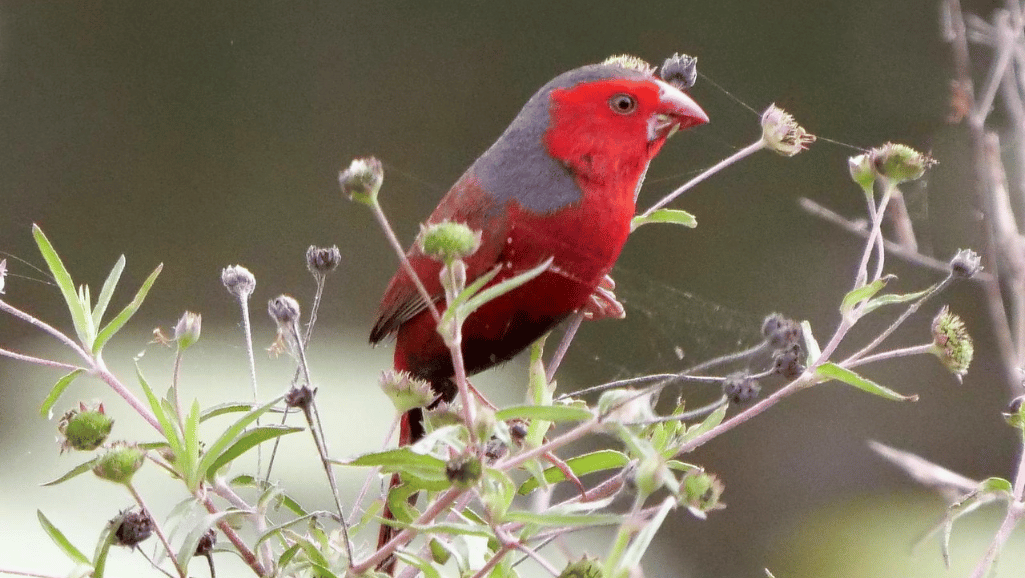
{"x":602,"y":304}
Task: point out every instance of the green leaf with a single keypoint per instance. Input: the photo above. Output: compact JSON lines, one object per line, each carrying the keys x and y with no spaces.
{"x":287,"y":556}
{"x":230,"y":436}
{"x":249,"y":440}
{"x":188,"y":547}
{"x":283,"y":499}
{"x":834,"y":371}
{"x":713,"y":419}
{"x":190,"y":435}
{"x":226,"y":408}
{"x":894,"y":299}
{"x":61,"y":540}
{"x":174,"y":441}
{"x":550,"y":518}
{"x":122,"y":318}
{"x":79,"y":314}
{"x":598,"y":461}
{"x":497,"y":290}
{"x":996,"y":485}
{"x":277,"y":529}
{"x":102,"y":550}
{"x":544,"y":412}
{"x":75,"y":471}
{"x":418,"y":470}
{"x":671,"y":216}
{"x":46,"y":410}
{"x":108,"y":291}
{"x":855,"y":296}
{"x":641,"y":542}
{"x":424,"y":566}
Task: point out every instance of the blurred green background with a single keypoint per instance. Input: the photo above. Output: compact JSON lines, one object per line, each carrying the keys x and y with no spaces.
{"x":203,"y":134}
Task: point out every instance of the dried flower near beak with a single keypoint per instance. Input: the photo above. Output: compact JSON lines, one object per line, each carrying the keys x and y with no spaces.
{"x":781,"y":133}
{"x":680,"y":70}
{"x":952,"y":343}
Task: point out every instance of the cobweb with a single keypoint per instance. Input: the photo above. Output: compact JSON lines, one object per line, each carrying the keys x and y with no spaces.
{"x":666,"y":329}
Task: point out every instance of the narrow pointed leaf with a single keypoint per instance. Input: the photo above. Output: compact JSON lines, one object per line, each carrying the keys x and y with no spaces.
{"x":894,"y":299}
{"x":671,"y":216}
{"x":122,"y":318}
{"x":62,"y":541}
{"x":108,"y":291}
{"x":231,"y":435}
{"x":424,"y":566}
{"x":46,"y":410}
{"x":79,"y":315}
{"x":502,"y":288}
{"x":865,"y":292}
{"x":834,"y":371}
{"x":713,"y":419}
{"x":188,"y":547}
{"x":641,"y":542}
{"x":598,"y":461}
{"x":75,"y":471}
{"x":247,"y":441}
{"x":175,"y":441}
{"x":545,"y":412}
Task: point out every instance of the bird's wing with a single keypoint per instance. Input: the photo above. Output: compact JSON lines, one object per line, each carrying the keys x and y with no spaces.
{"x":465,"y":203}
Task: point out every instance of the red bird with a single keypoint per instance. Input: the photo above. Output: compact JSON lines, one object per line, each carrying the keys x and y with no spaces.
{"x":560,"y":182}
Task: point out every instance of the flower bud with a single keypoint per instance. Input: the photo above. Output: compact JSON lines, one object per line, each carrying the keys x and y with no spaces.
{"x":862,"y":171}
{"x":965,"y":264}
{"x":238,"y":281}
{"x":900,"y":163}
{"x":448,"y":240}
{"x":405,"y":391}
{"x":584,"y":568}
{"x":680,"y":70}
{"x":463,"y":471}
{"x":188,"y":329}
{"x":951,"y":342}
{"x":84,"y":429}
{"x":362,"y":180}
{"x":700,"y":493}
{"x":119,"y":463}
{"x":132,"y":528}
{"x":322,"y":260}
{"x":782,"y":134}
{"x":284,"y":310}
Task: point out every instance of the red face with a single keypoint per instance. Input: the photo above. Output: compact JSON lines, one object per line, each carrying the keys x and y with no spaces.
{"x":598,"y":127}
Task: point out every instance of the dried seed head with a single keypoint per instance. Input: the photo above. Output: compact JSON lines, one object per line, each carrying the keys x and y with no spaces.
{"x":740,"y":388}
{"x":780,"y":331}
{"x":132,"y":528}
{"x":362,"y":180}
{"x":238,"y":281}
{"x":322,"y":260}
{"x":300,"y":397}
{"x":965,"y":264}
{"x":951,"y":342}
{"x":781,"y":133}
{"x":206,"y":543}
{"x":284,"y":310}
{"x":789,"y":361}
{"x":680,"y":70}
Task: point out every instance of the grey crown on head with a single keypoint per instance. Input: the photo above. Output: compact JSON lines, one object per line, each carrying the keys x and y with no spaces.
{"x":518,"y":167}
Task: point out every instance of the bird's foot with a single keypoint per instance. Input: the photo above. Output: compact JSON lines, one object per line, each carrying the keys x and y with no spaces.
{"x":603,"y":304}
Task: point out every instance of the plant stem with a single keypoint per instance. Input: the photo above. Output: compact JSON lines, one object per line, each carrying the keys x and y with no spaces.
{"x":7,"y":308}
{"x":157,"y":530}
{"x":892,"y":354}
{"x":394,"y":241}
{"x":403,"y":537}
{"x":40,"y":361}
{"x":735,"y":157}
{"x":560,"y":352}
{"x":240,"y":546}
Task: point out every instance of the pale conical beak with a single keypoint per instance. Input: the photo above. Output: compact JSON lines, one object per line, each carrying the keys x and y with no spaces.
{"x":679,"y":111}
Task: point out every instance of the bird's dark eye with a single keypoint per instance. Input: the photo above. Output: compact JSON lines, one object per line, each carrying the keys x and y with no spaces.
{"x":623,"y":103}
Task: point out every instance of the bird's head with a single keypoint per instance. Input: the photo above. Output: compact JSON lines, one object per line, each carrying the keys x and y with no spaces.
{"x":609,"y":117}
